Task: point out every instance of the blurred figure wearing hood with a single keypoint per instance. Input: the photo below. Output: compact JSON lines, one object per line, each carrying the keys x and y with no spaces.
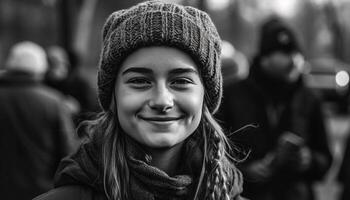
{"x":289,"y":148}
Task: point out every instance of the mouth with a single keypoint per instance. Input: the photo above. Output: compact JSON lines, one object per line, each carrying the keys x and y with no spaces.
{"x":160,"y":119}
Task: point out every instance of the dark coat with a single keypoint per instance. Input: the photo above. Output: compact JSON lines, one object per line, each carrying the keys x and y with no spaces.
{"x":72,"y":192}
{"x":78,"y":86}
{"x":299,"y":111}
{"x":36,"y":132}
{"x":80,"y":176}
{"x":344,"y":172}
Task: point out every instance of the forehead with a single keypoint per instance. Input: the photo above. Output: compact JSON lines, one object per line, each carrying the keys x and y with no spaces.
{"x":158,"y":59}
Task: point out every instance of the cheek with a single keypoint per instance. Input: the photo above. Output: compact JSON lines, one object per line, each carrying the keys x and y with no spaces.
{"x":127,"y":102}
{"x":192,"y":104}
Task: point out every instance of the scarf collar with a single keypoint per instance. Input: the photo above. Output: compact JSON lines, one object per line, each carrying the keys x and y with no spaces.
{"x":146,"y":182}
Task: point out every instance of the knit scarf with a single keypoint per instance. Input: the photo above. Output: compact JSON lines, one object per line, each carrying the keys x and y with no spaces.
{"x":148,"y":182}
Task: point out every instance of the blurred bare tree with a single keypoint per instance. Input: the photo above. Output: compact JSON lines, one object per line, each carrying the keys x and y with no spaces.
{"x":84,"y":26}
{"x":338,"y":20}
{"x":323,"y":26}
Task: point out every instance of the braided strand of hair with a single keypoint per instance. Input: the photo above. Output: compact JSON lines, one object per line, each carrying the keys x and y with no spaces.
{"x":223,"y":179}
{"x":217,"y":181}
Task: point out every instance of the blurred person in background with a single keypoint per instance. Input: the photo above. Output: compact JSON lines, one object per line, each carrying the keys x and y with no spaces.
{"x":36,"y":130}
{"x":57,"y":73}
{"x":64,"y":74}
{"x":289,"y":147}
{"x":343,"y":176}
{"x":234,"y":64}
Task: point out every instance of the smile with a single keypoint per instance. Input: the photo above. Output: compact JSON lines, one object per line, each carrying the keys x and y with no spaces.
{"x":160,"y":120}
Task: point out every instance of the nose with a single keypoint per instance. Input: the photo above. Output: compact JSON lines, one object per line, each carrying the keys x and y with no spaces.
{"x":162,"y":99}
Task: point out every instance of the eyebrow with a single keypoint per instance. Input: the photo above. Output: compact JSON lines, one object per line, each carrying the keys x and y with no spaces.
{"x":137,"y":70}
{"x":183,"y":70}
{"x":144,"y":70}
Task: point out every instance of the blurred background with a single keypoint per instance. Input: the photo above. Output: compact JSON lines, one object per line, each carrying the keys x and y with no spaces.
{"x":322,"y":26}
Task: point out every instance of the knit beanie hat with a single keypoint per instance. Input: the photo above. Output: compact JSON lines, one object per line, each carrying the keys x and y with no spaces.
{"x":276,"y":35}
{"x":156,"y":23}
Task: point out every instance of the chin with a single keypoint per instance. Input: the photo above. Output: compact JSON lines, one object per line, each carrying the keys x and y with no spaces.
{"x":162,"y":142}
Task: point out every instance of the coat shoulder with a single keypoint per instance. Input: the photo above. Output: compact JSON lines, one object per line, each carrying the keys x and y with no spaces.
{"x":71,"y":192}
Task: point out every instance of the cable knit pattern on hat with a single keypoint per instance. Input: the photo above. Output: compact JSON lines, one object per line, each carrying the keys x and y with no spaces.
{"x":155,"y":23}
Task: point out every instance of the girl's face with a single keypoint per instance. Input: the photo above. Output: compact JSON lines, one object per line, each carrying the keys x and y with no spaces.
{"x":159,"y":96}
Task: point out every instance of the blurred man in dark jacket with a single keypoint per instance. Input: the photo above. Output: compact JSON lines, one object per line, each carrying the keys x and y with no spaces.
{"x":289,"y":149}
{"x":35,"y":129}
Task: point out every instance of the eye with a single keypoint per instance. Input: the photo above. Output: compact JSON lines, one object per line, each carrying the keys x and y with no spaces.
{"x":182,"y":82}
{"x":139,"y":82}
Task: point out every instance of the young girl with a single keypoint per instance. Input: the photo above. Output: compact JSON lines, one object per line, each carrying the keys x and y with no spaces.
{"x":159,"y":83}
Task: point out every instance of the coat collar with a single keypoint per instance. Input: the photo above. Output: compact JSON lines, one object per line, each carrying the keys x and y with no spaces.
{"x":18,"y":78}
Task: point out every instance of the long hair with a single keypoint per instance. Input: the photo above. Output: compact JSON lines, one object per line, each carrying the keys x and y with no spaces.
{"x":219,"y":178}
{"x":105,"y":131}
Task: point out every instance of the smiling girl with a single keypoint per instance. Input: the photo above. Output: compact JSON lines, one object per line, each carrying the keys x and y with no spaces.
{"x":159,"y":84}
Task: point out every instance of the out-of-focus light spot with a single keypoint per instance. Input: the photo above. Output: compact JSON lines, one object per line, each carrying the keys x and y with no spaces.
{"x":342,"y":78}
{"x":285,"y":8}
{"x":227,"y":49}
{"x":218,"y":4}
